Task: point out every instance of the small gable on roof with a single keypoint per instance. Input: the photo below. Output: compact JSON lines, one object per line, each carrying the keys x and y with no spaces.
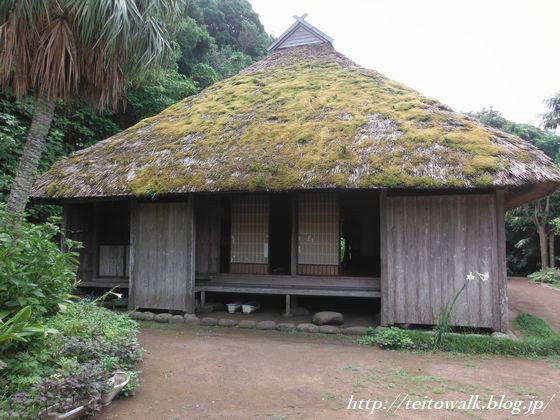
{"x":300,"y":33}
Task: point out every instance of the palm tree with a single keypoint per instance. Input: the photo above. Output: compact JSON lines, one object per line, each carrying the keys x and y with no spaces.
{"x":552,"y":118}
{"x":75,"y":49}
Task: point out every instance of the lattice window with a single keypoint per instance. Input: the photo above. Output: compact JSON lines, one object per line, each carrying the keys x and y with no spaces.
{"x":318,"y":233}
{"x":249,"y":232}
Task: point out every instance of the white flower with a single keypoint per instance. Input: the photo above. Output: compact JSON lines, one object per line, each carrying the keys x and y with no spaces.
{"x":118,"y":295}
{"x":470,"y":276}
{"x":483,"y":276}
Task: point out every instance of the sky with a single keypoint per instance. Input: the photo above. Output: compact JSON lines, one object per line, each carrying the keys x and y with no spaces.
{"x":468,"y":54}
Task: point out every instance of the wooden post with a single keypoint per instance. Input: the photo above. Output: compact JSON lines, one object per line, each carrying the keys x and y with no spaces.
{"x":501,"y":324}
{"x":131,"y":272}
{"x":383,"y":257}
{"x":287,"y":312}
{"x":294,"y":260}
{"x":191,"y":263}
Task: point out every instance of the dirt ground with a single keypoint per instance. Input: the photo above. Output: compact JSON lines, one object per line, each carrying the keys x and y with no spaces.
{"x":529,"y":297}
{"x":191,"y":373}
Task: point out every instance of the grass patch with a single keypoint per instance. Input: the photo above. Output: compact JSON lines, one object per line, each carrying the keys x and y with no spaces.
{"x":533,"y":326}
{"x":540,"y":340}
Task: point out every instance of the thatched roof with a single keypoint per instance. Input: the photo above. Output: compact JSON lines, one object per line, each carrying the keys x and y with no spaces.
{"x":302,"y":118}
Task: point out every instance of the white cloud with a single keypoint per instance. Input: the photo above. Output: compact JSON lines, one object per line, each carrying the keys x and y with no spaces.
{"x":467,"y":54}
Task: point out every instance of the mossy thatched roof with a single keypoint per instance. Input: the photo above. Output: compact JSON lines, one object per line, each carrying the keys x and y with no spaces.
{"x":303,"y":118}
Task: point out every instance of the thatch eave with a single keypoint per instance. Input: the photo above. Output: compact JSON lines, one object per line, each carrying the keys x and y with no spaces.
{"x":303,"y":118}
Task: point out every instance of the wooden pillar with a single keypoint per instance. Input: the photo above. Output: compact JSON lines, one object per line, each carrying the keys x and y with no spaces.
{"x":383,"y":256}
{"x":191,"y":255}
{"x":287,"y":312}
{"x":294,"y":256}
{"x":131,"y":272}
{"x":500,"y":298}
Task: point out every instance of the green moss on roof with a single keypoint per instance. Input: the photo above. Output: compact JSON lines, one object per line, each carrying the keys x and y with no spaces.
{"x":302,"y":118}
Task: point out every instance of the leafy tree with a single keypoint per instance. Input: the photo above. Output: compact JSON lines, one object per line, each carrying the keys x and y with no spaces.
{"x":194,"y":43}
{"x":74,"y":127}
{"x":74,"y":49}
{"x":159,"y":92}
{"x":529,"y":232}
{"x":201,"y":59}
{"x":204,"y":75}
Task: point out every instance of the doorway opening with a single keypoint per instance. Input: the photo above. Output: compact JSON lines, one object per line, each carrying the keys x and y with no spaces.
{"x":359,"y":234}
{"x":280,"y":234}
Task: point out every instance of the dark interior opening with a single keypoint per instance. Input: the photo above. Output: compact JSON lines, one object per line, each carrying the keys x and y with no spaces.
{"x":114,"y":226}
{"x":280,"y":234}
{"x":359,"y":234}
{"x":225,"y":237}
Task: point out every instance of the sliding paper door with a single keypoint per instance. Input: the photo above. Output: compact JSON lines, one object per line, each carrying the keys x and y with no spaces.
{"x":318,"y":234}
{"x":249,"y":234}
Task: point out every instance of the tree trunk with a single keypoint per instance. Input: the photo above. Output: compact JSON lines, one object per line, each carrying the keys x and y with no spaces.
{"x":551,"y":250}
{"x":544,"y":246}
{"x":34,"y":144}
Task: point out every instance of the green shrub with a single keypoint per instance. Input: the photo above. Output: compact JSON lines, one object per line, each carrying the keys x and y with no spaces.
{"x":33,"y":269}
{"x":548,"y":276}
{"x":73,"y":365}
{"x":17,"y":329}
{"x":393,"y":338}
{"x":541,"y":340}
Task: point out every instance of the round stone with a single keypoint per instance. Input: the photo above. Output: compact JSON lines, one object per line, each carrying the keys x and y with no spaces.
{"x":329,"y":329}
{"x":164,"y":317}
{"x":177,"y":319}
{"x":328,"y":318}
{"x":226,"y":322}
{"x":308,"y":328}
{"x":247,"y":323}
{"x":191,"y":319}
{"x":208,"y":322}
{"x":286,"y":326}
{"x":148,"y":316}
{"x":266,"y":325}
{"x":135,"y":315}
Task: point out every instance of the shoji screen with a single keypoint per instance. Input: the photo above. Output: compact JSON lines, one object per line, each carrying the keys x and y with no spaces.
{"x":318,"y":234}
{"x":249,"y":234}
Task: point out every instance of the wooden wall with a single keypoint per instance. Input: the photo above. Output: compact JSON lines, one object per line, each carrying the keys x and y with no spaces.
{"x":208,"y":234}
{"x":163,"y":256}
{"x":429,"y":245}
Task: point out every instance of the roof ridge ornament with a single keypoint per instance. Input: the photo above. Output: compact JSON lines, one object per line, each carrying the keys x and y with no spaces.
{"x":300,"y":18}
{"x":300,"y":33}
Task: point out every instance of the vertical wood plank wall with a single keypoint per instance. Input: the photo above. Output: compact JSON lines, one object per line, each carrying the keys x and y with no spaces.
{"x":112,"y":260}
{"x":163,"y":259}
{"x":208,"y":231}
{"x":249,"y":234}
{"x":318,"y":234}
{"x":430,"y":244}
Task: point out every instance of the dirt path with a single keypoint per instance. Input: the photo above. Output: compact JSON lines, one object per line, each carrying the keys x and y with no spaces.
{"x":236,"y":374}
{"x":529,"y":297}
